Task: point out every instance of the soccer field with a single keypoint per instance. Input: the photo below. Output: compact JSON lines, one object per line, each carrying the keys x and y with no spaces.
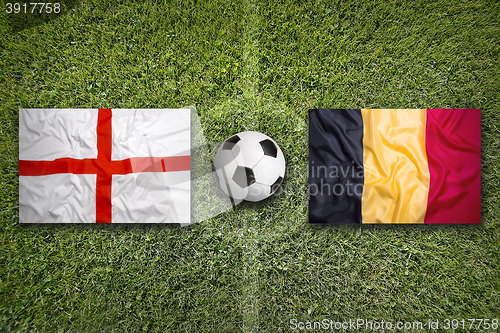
{"x":249,"y":65}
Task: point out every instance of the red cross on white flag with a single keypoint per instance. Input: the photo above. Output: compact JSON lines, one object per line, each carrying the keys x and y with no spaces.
{"x":104,"y":165}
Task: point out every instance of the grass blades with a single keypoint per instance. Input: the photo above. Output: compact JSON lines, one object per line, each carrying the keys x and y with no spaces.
{"x":249,"y":65}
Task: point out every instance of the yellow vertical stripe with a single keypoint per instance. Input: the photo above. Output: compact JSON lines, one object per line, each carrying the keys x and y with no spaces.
{"x":396,"y":169}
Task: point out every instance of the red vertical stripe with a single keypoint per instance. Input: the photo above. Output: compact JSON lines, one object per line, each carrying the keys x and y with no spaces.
{"x":104,"y":177}
{"x":453,"y":143}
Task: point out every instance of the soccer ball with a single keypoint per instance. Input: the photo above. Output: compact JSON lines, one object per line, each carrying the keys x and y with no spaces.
{"x":250,"y":166}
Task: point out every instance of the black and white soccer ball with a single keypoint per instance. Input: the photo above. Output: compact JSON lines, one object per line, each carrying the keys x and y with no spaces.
{"x":250,"y":166}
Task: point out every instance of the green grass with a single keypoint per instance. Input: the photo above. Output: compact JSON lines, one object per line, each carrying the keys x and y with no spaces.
{"x":249,"y":66}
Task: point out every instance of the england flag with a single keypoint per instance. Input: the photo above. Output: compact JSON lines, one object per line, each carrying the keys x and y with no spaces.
{"x":104,"y":166}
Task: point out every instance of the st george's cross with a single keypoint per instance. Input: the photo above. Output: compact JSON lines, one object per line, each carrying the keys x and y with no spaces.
{"x":104,"y":165}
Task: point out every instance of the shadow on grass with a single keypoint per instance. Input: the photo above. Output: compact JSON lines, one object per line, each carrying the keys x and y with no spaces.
{"x":120,"y":227}
{"x":21,"y":20}
{"x":416,"y":227}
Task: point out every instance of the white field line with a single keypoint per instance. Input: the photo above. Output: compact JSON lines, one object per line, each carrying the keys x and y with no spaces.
{"x":249,"y":234}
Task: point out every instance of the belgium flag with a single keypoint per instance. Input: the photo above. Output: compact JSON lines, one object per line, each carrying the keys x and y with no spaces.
{"x":395,"y":166}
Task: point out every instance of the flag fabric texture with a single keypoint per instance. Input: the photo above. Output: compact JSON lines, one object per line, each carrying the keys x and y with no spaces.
{"x":104,"y":165}
{"x":395,"y":166}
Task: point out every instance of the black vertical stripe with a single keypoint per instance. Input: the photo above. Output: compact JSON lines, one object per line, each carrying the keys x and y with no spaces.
{"x":336,"y":174}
